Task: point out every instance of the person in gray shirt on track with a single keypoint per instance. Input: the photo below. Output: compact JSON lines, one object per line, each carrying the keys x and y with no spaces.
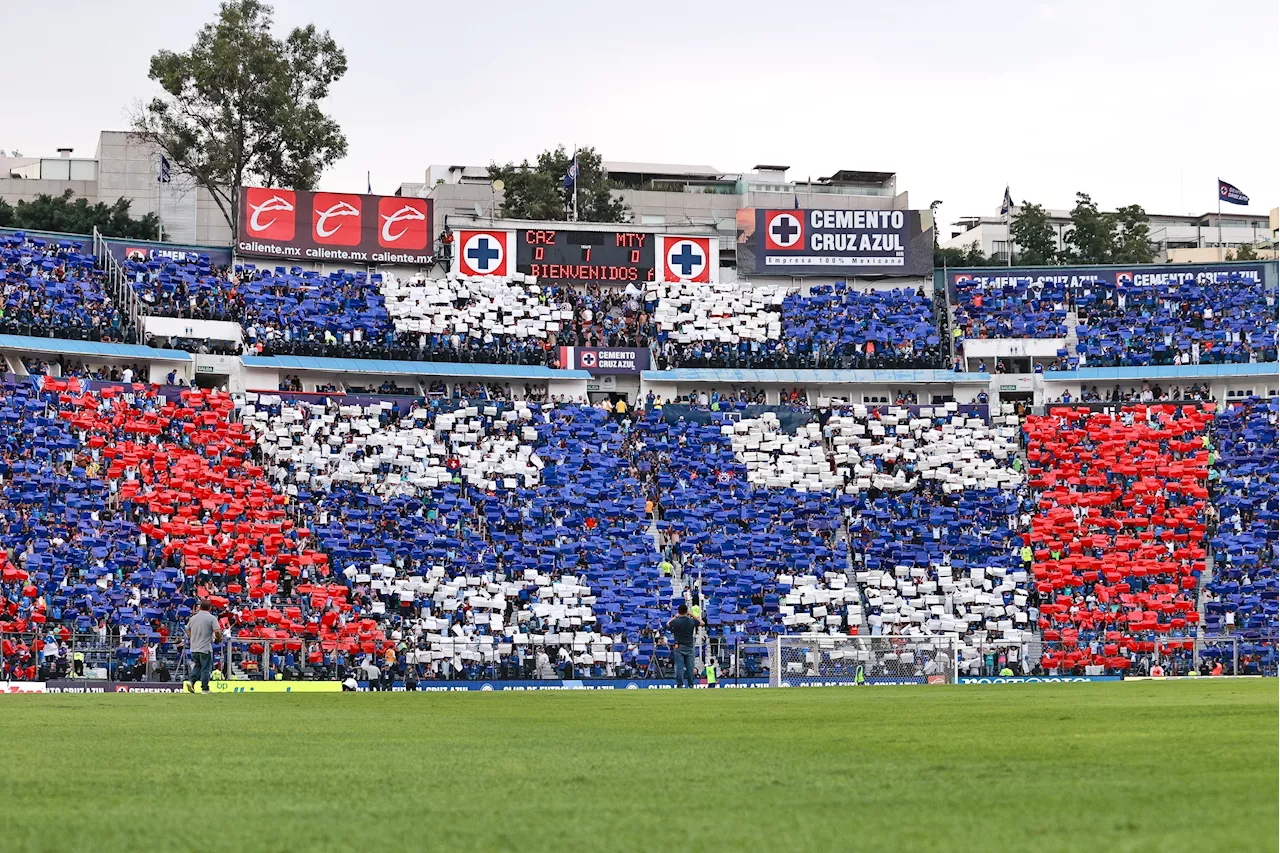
{"x":203,"y":631}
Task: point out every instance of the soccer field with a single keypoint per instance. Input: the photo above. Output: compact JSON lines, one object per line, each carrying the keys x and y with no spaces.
{"x":1117,"y":767}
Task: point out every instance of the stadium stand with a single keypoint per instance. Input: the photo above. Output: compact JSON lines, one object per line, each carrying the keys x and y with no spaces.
{"x":55,"y":290}
{"x":1231,"y":320}
{"x":479,"y":518}
{"x":518,"y":321}
{"x":188,"y":287}
{"x":1241,"y":597}
{"x":510,"y":321}
{"x":835,"y":326}
{"x":472,"y":535}
{"x":849,"y":329}
{"x":1017,"y":308}
{"x":1119,"y":537}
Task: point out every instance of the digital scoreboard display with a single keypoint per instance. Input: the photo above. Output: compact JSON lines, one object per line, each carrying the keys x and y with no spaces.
{"x":582,"y":257}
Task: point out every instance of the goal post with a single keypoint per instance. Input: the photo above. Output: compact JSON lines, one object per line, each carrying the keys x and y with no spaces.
{"x":822,"y":660}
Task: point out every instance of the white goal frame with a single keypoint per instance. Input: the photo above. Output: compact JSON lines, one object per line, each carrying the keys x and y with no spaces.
{"x":831,"y":660}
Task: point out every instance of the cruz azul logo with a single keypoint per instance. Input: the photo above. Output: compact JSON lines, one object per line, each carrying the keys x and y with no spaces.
{"x":687,"y":259}
{"x":483,"y":253}
{"x":783,"y":230}
{"x":270,"y":213}
{"x":335,"y":219}
{"x":403,"y":223}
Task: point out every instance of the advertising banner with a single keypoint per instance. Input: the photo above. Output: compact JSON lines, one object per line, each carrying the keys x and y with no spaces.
{"x":140,"y":250}
{"x":1035,"y":679}
{"x":291,"y":225}
{"x":637,"y":684}
{"x":1131,"y":276}
{"x":22,"y":687}
{"x":517,"y":686}
{"x":877,"y":681}
{"x":275,"y":687}
{"x":601,"y":360}
{"x":74,"y":686}
{"x":814,"y":242}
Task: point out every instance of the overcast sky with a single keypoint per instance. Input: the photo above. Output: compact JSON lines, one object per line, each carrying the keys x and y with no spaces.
{"x":1146,"y":102}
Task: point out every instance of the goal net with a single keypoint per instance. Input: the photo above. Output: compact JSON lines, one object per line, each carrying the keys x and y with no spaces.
{"x":825,"y":660}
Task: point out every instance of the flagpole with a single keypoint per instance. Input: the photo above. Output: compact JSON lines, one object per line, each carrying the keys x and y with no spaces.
{"x":576,"y":177}
{"x":1008,"y":228}
{"x":1220,"y":252}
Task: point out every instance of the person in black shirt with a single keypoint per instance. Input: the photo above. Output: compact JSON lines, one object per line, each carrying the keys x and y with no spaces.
{"x":682,"y":628}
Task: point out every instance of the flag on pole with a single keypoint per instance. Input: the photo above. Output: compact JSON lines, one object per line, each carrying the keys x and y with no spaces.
{"x":1007,"y":204}
{"x":164,"y":176}
{"x":1231,"y":194}
{"x":368,"y":183}
{"x":797,"y":198}
{"x":571,"y":176}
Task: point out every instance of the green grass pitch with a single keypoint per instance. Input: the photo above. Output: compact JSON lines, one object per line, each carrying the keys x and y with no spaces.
{"x":1058,"y":767}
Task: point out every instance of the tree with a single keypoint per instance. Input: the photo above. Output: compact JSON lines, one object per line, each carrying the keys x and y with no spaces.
{"x":242,"y":106}
{"x":1032,"y":233}
{"x":49,"y":213}
{"x":970,"y":256}
{"x":1092,"y":236}
{"x":538,"y":191}
{"x":1243,"y":252}
{"x":1132,"y":237}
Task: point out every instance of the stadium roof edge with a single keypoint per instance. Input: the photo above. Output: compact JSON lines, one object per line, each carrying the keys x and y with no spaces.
{"x":1168,"y":371}
{"x":805,"y":377}
{"x":60,"y":346}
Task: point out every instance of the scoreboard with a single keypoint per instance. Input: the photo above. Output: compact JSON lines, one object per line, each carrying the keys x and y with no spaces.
{"x":581,"y":257}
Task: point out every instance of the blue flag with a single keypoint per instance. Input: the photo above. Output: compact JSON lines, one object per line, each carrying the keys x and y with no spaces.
{"x":571,"y":176}
{"x":797,"y":198}
{"x":163,"y":177}
{"x":1231,"y":194}
{"x":1007,"y":204}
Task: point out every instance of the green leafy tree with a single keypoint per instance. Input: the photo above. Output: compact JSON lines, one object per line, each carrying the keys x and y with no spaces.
{"x":242,"y":106}
{"x":970,"y":256}
{"x":1133,"y":243}
{"x":1033,"y":235}
{"x":1244,"y":252}
{"x":1092,"y":236}
{"x":537,"y":191}
{"x":72,"y":215}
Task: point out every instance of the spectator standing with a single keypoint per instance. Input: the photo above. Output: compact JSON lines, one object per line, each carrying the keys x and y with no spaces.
{"x":203,"y":631}
{"x":682,"y":629}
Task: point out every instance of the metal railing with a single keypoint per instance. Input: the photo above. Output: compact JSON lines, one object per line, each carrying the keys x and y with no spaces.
{"x":119,"y":286}
{"x":89,"y":656}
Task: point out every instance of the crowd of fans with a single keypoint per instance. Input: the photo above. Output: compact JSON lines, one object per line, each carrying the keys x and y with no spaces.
{"x":1218,"y":318}
{"x":446,"y":538}
{"x":1231,"y":319}
{"x":1013,"y":308}
{"x":1148,"y":392}
{"x":54,"y":290}
{"x":1241,"y":597}
{"x":519,"y":321}
{"x":1118,"y":542}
